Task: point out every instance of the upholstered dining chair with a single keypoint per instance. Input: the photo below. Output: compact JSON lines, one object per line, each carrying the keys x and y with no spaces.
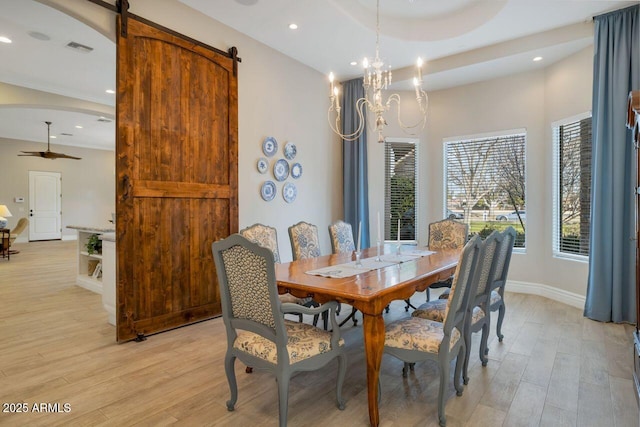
{"x":499,"y":278}
{"x":15,"y":232}
{"x":341,"y":235}
{"x":477,"y":318}
{"x":415,"y":339}
{"x":304,"y":240}
{"x":257,"y":332}
{"x":342,"y":241}
{"x":444,"y":234}
{"x":267,"y":237}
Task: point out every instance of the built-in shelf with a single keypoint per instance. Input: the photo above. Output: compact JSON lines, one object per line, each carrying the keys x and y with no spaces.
{"x":96,"y":256}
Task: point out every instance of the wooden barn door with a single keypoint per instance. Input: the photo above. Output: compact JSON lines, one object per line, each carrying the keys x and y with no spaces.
{"x":177,"y":184}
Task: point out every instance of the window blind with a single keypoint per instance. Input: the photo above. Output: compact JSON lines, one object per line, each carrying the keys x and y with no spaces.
{"x":400,"y":189}
{"x":572,"y":188}
{"x":485,"y":183}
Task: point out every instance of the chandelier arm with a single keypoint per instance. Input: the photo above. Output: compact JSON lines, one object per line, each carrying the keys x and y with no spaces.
{"x":361,"y":122}
{"x":421,"y":124}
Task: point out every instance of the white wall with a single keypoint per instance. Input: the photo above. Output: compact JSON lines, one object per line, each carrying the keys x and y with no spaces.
{"x":531,"y":100}
{"x":278,"y":97}
{"x":88,"y":185}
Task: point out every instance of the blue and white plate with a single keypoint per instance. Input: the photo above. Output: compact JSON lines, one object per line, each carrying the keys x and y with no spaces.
{"x":263,"y":165}
{"x":268,"y":190}
{"x":269,"y":146}
{"x":289,"y":192}
{"x":281,"y":170}
{"x":290,"y":150}
{"x":296,"y":170}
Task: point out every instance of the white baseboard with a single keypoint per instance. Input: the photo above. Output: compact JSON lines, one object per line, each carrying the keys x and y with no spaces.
{"x":565,"y":297}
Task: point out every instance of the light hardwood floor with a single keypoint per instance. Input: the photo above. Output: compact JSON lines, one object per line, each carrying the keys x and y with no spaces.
{"x":554,"y":368}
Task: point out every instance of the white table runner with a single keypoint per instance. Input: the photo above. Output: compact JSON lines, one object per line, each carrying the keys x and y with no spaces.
{"x":351,"y":269}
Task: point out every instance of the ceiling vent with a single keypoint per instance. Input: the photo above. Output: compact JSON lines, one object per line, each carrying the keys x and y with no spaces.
{"x":66,"y":134}
{"x":104,"y":120}
{"x":79,"y":47}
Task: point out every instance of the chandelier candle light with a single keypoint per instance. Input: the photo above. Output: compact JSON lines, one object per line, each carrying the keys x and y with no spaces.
{"x":377,"y":77}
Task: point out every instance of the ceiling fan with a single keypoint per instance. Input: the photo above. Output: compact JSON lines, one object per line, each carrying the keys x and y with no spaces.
{"x":48,"y":154}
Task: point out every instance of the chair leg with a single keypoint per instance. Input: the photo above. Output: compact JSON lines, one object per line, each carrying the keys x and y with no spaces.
{"x":461,"y":363}
{"x":342,"y":370}
{"x":483,"y":343}
{"x":229,"y":368}
{"x":283,"y":397}
{"x":428,"y":294}
{"x":325,"y":320}
{"x":351,"y":316}
{"x":444,"y":379}
{"x":408,"y":304}
{"x":501,"y":311}
{"x":467,"y":352}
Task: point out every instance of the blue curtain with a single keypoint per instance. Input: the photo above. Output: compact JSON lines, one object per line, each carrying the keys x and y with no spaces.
{"x":355,"y":189}
{"x":611,"y":291}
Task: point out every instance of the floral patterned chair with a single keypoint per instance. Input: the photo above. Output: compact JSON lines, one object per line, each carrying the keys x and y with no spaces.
{"x":257,"y":332}
{"x":444,"y":234}
{"x":304,"y":240}
{"x":415,"y":339}
{"x":267,"y":237}
{"x":478,"y":315}
{"x":341,"y":235}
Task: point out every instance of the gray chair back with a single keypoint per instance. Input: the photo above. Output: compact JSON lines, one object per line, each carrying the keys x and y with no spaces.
{"x":248,"y":290}
{"x":487,"y":264}
{"x":463,"y":286}
{"x":499,"y":275}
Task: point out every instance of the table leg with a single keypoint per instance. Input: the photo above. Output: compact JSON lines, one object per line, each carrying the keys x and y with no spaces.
{"x":374,"y":347}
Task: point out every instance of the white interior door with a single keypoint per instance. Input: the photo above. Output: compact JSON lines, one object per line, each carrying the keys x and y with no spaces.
{"x":45,"y":205}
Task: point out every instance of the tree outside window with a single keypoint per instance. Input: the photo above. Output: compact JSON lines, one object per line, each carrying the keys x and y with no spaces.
{"x":485,"y":183}
{"x":572,"y":186}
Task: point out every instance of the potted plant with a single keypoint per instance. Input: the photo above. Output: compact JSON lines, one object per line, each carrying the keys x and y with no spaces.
{"x":94,"y":245}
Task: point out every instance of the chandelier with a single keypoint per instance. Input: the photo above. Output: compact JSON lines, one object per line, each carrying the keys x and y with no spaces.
{"x":377,"y":77}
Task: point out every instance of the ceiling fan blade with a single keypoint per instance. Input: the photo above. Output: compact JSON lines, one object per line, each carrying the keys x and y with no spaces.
{"x":52,"y":155}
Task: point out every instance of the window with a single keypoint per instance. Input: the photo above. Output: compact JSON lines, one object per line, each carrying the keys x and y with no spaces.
{"x":400,"y":189}
{"x":572,"y":186}
{"x":485,"y":182}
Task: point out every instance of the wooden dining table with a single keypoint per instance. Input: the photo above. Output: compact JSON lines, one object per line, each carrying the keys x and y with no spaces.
{"x":369,"y":292}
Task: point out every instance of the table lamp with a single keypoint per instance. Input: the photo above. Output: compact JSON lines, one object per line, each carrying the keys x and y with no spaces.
{"x":4,"y":211}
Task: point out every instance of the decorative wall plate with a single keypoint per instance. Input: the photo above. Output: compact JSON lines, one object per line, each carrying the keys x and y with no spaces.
{"x":263,"y":165}
{"x":268,"y":190}
{"x":290,"y":150}
{"x":289,"y":192}
{"x":269,"y":146}
{"x":281,"y":170}
{"x":296,"y":170}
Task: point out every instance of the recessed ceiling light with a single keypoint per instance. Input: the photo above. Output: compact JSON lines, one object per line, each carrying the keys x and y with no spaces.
{"x":78,"y":127}
{"x":110,"y":91}
{"x":353,"y":62}
{"x":53,"y":136}
{"x":537,"y":58}
{"x":4,"y":39}
{"x":293,"y":26}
